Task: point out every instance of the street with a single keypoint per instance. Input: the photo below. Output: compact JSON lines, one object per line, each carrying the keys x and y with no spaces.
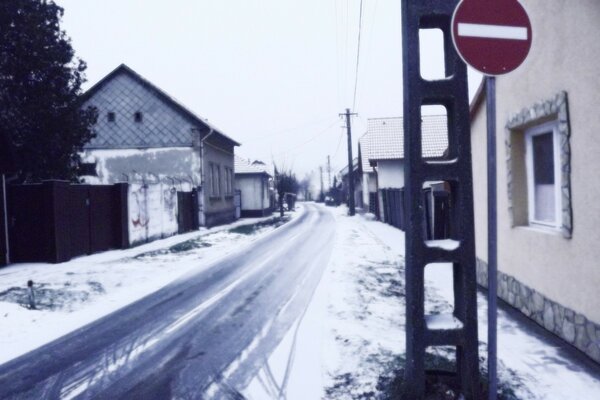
{"x":201,"y":335}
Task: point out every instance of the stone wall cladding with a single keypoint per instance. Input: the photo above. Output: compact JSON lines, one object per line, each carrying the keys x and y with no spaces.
{"x":569,"y":325}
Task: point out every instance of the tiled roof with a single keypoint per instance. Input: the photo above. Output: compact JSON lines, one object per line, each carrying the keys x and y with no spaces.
{"x":365,"y":148}
{"x":385,"y":137}
{"x":244,"y":166}
{"x":344,"y":170}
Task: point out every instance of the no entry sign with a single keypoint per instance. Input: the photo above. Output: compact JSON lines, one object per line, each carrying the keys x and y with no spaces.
{"x":492,"y":36}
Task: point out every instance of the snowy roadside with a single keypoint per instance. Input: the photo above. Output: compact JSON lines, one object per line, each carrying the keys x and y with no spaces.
{"x":72,"y":294}
{"x":350,"y":342}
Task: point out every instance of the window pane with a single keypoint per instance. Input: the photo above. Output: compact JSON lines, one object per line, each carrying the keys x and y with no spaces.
{"x":543,"y":172}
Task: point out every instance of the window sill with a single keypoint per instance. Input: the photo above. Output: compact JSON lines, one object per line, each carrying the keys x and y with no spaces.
{"x":548,"y":230}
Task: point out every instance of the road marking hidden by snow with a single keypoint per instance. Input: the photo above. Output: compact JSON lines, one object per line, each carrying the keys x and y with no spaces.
{"x":78,"y":387}
{"x":340,"y":315}
{"x":266,"y":376}
{"x":123,"y":278}
{"x":180,"y":322}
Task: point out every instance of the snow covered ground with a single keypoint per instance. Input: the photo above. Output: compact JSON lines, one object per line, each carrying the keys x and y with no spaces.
{"x":350,"y":341}
{"x":348,"y":344}
{"x":72,"y":294}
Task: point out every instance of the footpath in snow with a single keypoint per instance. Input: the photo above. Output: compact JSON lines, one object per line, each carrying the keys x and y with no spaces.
{"x":350,"y":343}
{"x":72,"y":294}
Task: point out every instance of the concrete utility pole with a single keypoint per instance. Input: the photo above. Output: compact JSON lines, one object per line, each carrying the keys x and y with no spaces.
{"x":351,"y":210}
{"x":322,"y":194}
{"x":328,"y":173}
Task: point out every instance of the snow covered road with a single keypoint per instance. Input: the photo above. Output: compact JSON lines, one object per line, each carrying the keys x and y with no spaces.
{"x":201,"y":336}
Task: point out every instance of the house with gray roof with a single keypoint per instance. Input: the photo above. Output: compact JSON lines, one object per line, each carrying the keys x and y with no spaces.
{"x":357,"y":177}
{"x":143,"y":134}
{"x":254,"y":180}
{"x":368,"y":177}
{"x":382,"y":149}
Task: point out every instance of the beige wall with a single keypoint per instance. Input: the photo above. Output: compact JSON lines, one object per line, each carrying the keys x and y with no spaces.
{"x":565,"y":56}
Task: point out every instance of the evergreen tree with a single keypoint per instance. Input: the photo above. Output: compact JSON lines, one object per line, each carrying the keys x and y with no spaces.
{"x":40,"y":91}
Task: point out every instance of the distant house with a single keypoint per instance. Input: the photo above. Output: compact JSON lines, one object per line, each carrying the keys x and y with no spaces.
{"x":7,"y":166}
{"x":143,"y":134}
{"x":345,"y":183}
{"x":254,"y":180}
{"x":369,"y":177}
{"x":548,"y":147}
{"x":384,"y":142}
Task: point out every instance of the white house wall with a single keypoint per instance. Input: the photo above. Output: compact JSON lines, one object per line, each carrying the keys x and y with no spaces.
{"x":121,"y":165}
{"x":254,"y":189}
{"x":390,"y":174}
{"x":369,"y":185}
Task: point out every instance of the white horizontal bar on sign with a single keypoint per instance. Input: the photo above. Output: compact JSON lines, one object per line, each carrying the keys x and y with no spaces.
{"x":492,"y":31}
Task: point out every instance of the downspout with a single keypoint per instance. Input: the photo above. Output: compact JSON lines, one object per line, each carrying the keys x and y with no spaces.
{"x":262,"y":195}
{"x":202,"y":180}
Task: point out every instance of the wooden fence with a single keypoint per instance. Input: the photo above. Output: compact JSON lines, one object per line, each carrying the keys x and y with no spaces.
{"x":55,"y":221}
{"x":437,"y":207}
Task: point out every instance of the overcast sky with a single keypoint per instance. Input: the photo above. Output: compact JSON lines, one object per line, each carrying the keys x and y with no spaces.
{"x":273,"y":74}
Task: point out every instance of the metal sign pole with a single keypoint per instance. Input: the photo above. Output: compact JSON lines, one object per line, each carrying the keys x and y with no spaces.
{"x":492,"y":237}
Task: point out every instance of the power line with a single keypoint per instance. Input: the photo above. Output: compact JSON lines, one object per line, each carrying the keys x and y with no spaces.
{"x":357,"y":54}
{"x":312,"y":138}
{"x":338,"y":144}
{"x":369,"y":32}
{"x":302,"y":125}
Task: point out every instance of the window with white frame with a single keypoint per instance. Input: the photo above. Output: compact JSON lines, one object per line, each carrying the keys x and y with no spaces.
{"x":539,"y":164}
{"x":543,"y":175}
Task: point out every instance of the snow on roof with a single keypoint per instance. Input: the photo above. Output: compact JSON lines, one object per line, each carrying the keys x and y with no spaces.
{"x":365,"y":148}
{"x":245,"y":166}
{"x":385,"y":137}
{"x":344,"y":170}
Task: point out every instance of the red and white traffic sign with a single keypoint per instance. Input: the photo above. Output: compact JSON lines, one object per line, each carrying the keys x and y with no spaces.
{"x":492,"y":36}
